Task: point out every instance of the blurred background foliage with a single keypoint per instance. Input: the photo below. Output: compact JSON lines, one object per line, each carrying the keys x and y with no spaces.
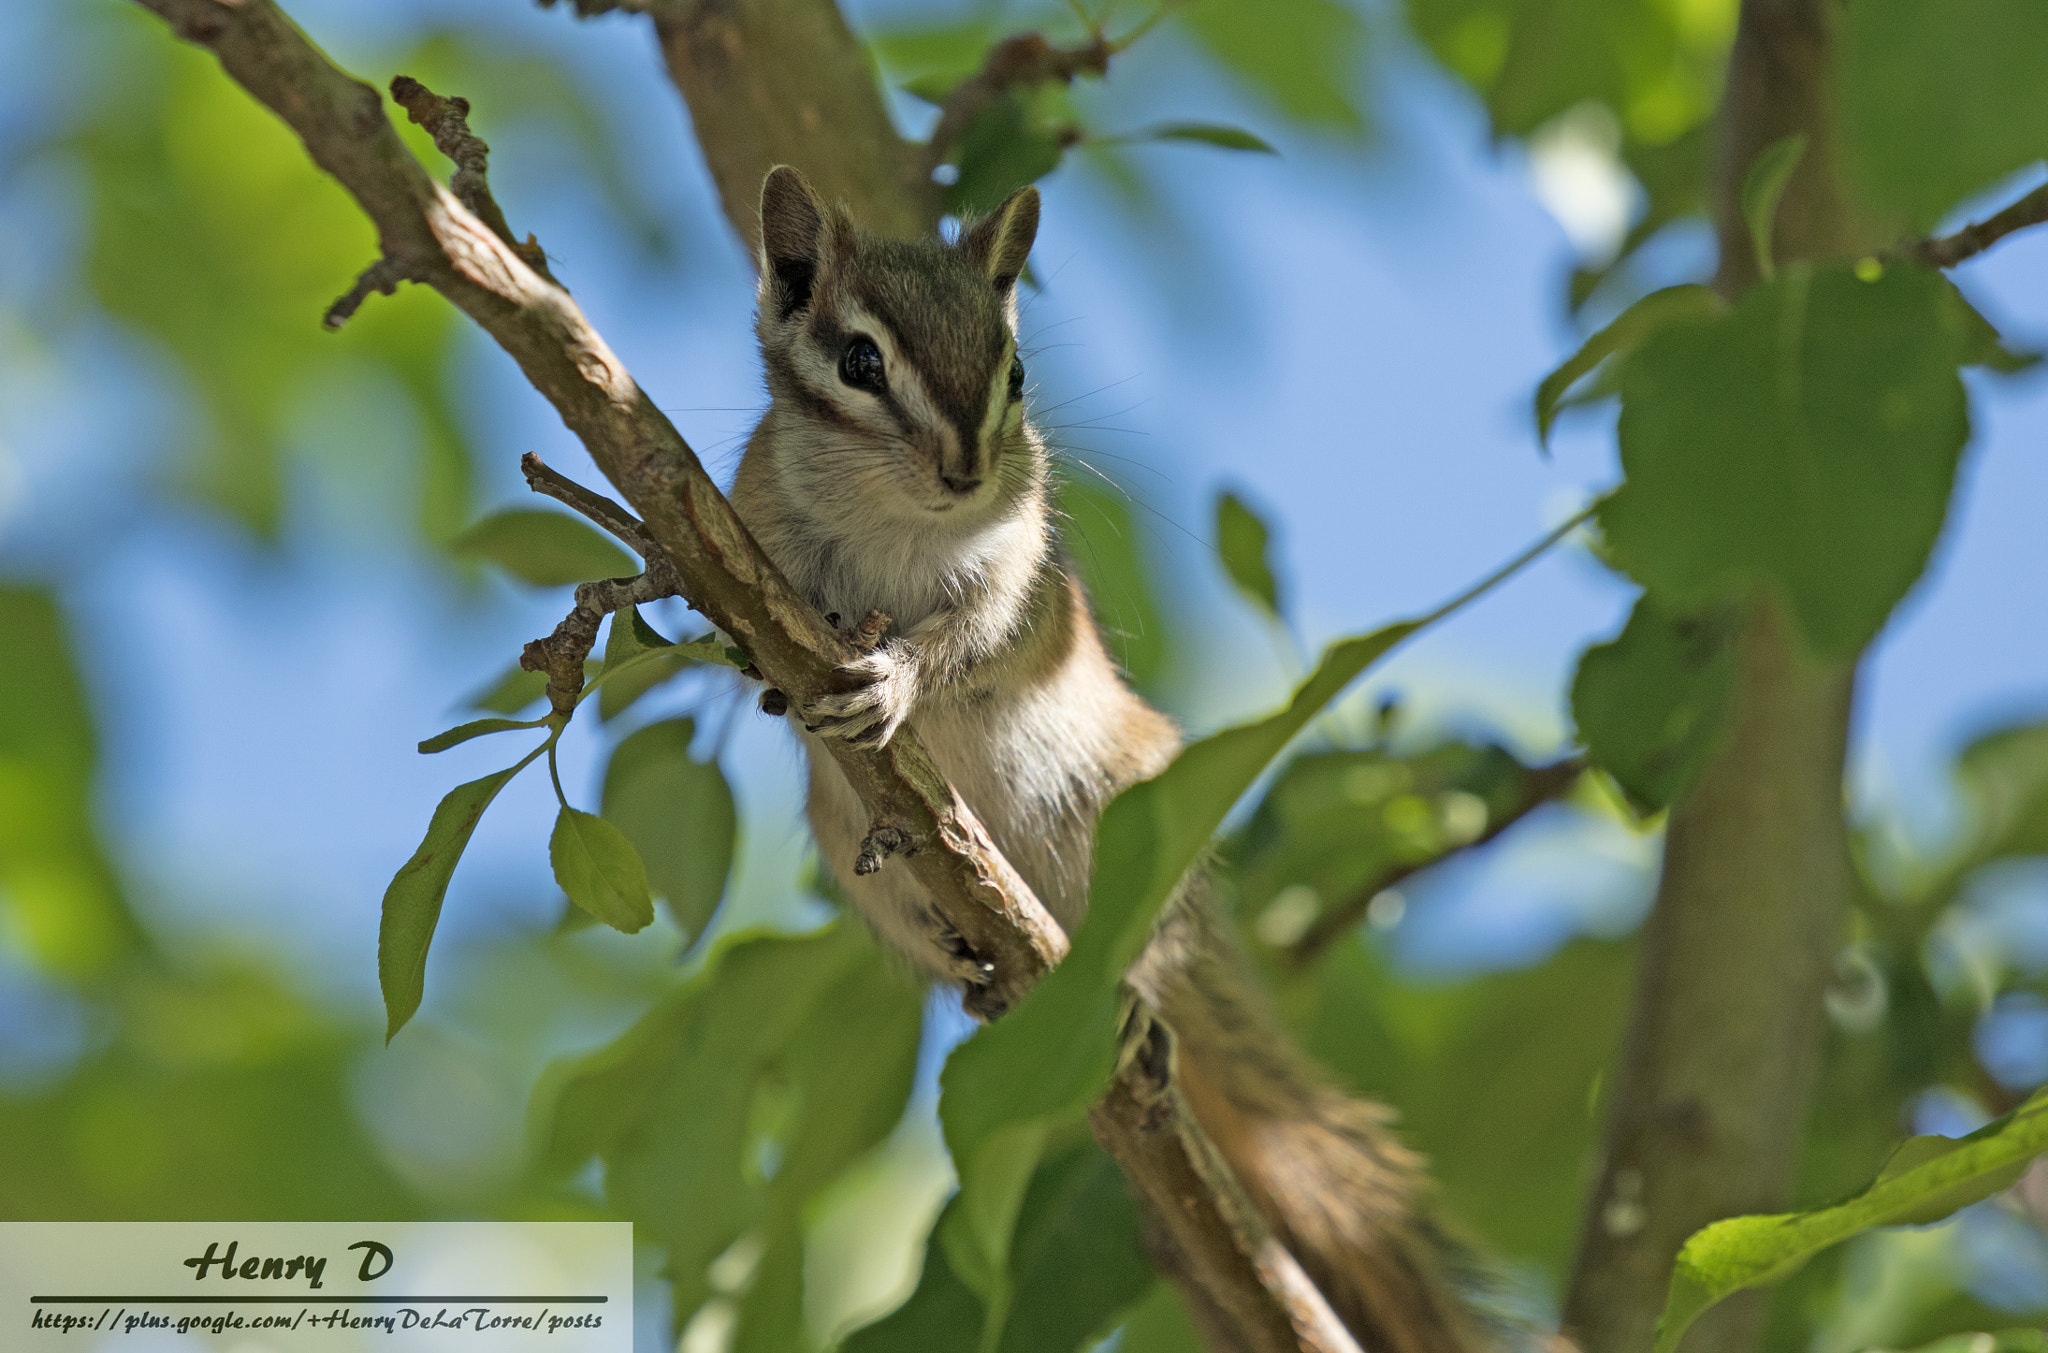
{"x":749,"y":1080}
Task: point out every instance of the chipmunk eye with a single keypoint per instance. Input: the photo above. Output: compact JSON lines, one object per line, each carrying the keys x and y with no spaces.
{"x":861,"y":366}
{"x":1016,"y":379}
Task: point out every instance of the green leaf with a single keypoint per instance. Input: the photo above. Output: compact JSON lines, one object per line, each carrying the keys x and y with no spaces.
{"x":510,"y":693}
{"x":942,"y":1315}
{"x":2005,"y":776}
{"x":1334,"y":822}
{"x":1630,"y":329}
{"x":476,"y":728}
{"x":1926,"y":1179}
{"x":599,"y":870}
{"x":412,"y":904}
{"x":1938,"y":102}
{"x":1078,"y":1261}
{"x":60,"y":899}
{"x":678,"y":812}
{"x":1243,"y":543}
{"x":545,"y":548}
{"x":1209,"y":133}
{"x":1302,"y":55}
{"x":1762,"y":187}
{"x":1650,"y":703}
{"x":1990,"y":1341}
{"x":1017,"y":139}
{"x":824,"y":1026}
{"x":632,"y":638}
{"x":1491,"y":1074}
{"x":1160,"y":1324}
{"x":1099,"y":533}
{"x":1807,"y":441}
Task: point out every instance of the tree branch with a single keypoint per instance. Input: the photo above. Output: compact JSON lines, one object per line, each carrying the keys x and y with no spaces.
{"x":1210,"y":1229}
{"x":1945,"y":251}
{"x":1724,"y":1039}
{"x":595,"y":506}
{"x":1539,"y":786}
{"x":426,"y":233}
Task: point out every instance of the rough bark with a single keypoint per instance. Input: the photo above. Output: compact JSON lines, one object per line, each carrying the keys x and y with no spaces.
{"x":784,"y":82}
{"x":427,"y":235}
{"x":1725,"y":1037}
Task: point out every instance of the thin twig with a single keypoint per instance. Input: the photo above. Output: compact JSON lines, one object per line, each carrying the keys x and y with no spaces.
{"x":600,"y":509}
{"x":1539,"y":786}
{"x":1945,"y":251}
{"x":382,"y":277}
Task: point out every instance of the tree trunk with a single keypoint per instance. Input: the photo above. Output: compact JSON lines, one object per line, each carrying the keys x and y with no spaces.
{"x":1725,"y":1038}
{"x":774,"y":82}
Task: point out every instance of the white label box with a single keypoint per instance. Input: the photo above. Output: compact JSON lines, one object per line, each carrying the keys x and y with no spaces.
{"x":321,"y":1287}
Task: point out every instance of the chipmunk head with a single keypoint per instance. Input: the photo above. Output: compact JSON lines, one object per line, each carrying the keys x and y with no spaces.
{"x":899,"y":357}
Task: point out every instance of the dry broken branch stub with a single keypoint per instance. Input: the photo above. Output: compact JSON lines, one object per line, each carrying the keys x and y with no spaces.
{"x":447,"y":121}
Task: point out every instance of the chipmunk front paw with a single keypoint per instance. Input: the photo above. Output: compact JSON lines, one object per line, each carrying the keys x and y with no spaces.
{"x":883,"y":690}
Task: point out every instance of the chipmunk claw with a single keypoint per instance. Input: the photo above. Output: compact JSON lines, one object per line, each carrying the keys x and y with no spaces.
{"x":882,"y":690}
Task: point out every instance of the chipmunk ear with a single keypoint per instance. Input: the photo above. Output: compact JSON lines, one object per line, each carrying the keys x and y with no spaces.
{"x":1000,"y":241}
{"x":793,"y":233}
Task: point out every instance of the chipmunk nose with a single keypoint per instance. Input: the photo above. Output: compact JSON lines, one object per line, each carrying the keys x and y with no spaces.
{"x":963,"y":487}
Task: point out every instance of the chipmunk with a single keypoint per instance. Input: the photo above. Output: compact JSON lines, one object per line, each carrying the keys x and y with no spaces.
{"x":895,"y":470}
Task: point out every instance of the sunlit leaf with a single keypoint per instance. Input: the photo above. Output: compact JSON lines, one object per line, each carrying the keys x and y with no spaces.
{"x":1926,"y":1179}
{"x":2005,"y":776}
{"x":600,"y":871}
{"x":1244,"y":545}
{"x":545,"y":548}
{"x":1650,"y":702}
{"x":412,"y":904}
{"x":1762,"y":187}
{"x":476,"y":728}
{"x":1808,"y":440}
